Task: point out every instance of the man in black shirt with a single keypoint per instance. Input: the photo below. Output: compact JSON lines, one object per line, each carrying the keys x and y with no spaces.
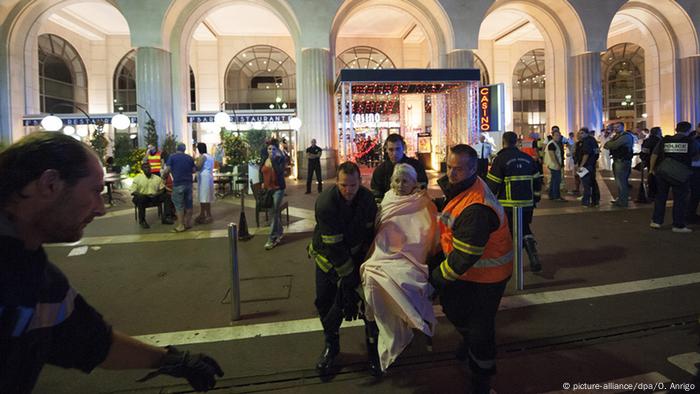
{"x":395,"y":148}
{"x":313,"y":154}
{"x":587,"y":161}
{"x":648,"y":146}
{"x":681,"y":148}
{"x":50,"y":189}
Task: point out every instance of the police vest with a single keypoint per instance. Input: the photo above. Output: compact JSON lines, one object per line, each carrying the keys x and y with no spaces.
{"x":678,"y":148}
{"x":154,"y":162}
{"x":496,"y":263}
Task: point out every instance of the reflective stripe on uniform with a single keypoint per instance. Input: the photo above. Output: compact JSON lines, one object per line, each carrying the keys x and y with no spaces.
{"x":320,"y":260}
{"x":346,"y":268}
{"x":447,"y":271}
{"x":332,"y":239}
{"x":516,"y":203}
{"x":355,"y":249}
{"x":54,"y":313}
{"x":494,"y":178}
{"x":518,"y":178}
{"x":467,"y":248}
{"x":506,"y":259}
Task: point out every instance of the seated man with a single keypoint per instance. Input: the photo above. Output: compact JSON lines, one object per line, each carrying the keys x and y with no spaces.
{"x":395,"y":277}
{"x":147,"y":190}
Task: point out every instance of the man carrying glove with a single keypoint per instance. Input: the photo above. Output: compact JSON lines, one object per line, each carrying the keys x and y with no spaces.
{"x":50,"y":187}
{"x":344,"y":230}
{"x":477,"y":262}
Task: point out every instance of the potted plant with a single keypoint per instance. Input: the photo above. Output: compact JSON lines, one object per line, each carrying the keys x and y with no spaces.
{"x":98,"y":141}
{"x":151,"y":134}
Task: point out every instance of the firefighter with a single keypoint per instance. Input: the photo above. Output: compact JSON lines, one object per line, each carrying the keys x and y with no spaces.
{"x":515,"y":180}
{"x":476,"y":262}
{"x":533,"y":146}
{"x":344,"y":230}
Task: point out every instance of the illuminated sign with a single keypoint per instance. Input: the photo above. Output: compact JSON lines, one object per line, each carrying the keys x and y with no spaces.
{"x":490,"y":116}
{"x":485,"y":108}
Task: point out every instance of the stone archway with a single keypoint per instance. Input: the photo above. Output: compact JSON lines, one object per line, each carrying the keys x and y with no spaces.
{"x":563,"y":35}
{"x":179,"y":25}
{"x":20,"y":31}
{"x":664,"y":44}
{"x":429,"y":14}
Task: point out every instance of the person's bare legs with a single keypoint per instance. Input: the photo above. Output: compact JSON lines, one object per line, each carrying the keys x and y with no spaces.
{"x":202,"y":213}
{"x":207,"y":213}
{"x":188,"y":218}
{"x":179,"y":224}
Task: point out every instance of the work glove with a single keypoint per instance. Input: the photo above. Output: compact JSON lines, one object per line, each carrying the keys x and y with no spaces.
{"x":199,"y":369}
{"x":438,"y":281}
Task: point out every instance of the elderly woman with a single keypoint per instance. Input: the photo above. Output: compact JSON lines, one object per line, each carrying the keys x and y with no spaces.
{"x":395,"y":277}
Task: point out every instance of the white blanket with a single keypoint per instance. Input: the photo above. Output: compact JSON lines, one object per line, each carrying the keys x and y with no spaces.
{"x":395,"y":277}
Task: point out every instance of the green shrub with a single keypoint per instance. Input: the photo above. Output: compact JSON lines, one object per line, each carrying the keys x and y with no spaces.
{"x":151,"y":134}
{"x":135,"y":160}
{"x":236,"y":149}
{"x":169,"y":145}
{"x":122,"y":149}
{"x":256,"y":141}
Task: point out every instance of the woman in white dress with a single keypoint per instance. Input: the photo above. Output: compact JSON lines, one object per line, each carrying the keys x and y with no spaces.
{"x":205,"y":183}
{"x":395,"y":276}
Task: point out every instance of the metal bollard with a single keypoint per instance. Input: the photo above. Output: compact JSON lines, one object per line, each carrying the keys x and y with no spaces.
{"x":518,"y":247}
{"x":235,"y":282}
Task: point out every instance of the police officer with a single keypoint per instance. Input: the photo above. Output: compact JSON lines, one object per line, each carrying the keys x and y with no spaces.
{"x":648,"y":145}
{"x":681,"y":148}
{"x":621,"y":147}
{"x":50,"y":188}
{"x":344,"y":230}
{"x":515,"y":180}
{"x":476,"y":264}
{"x":588,"y":158}
{"x":395,"y":148}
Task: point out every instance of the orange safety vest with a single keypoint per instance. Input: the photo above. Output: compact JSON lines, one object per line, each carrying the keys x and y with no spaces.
{"x":496,"y":263}
{"x":154,"y":162}
{"x":529,"y":147}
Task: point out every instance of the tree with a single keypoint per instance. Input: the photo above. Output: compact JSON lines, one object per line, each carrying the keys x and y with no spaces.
{"x":151,"y":134}
{"x":98,"y":141}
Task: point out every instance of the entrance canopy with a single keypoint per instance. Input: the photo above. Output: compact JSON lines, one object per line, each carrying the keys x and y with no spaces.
{"x":431,"y":108}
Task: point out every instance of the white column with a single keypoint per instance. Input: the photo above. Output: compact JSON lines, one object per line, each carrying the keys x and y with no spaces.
{"x":460,"y":58}
{"x":587,"y":91}
{"x":153,"y":91}
{"x":316,"y":109}
{"x":690,"y":90}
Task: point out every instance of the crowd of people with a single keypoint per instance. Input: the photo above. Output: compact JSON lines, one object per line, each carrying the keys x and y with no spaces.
{"x":382,"y":254}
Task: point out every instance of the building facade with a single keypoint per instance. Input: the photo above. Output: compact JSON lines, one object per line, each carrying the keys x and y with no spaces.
{"x":572,"y":63}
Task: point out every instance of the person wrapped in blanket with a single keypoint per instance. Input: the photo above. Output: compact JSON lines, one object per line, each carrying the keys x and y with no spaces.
{"x":395,"y":276}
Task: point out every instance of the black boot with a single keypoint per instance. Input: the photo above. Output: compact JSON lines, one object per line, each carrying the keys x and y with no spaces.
{"x":372,"y":340}
{"x":531,"y":249}
{"x":481,"y":384}
{"x":324,"y":366}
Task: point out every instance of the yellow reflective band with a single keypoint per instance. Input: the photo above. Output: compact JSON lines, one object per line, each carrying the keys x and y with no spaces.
{"x":508,"y":195}
{"x":516,"y":203}
{"x":320,"y":261}
{"x":537,"y":175}
{"x":467,"y":248}
{"x":332,"y":239}
{"x":519,"y":178}
{"x":494,"y":178}
{"x":447,"y":271}
{"x":346,"y":268}
{"x":495,"y":262}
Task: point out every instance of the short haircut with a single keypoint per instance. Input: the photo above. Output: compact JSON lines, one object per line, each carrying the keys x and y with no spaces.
{"x":656,"y":130}
{"x":683,"y":127}
{"x":510,"y":138}
{"x":620,"y":124}
{"x":348,"y":168}
{"x":201,"y":148}
{"x":274,"y":143}
{"x":394,"y":138}
{"x":464,"y":149}
{"x":25,"y":161}
{"x":584,"y":129}
{"x":181,"y":147}
{"x":555,"y":127}
{"x":403,"y":168}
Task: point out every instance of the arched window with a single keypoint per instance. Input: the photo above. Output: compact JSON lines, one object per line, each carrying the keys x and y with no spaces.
{"x":624,"y":98}
{"x":529,"y":97}
{"x":193,"y":92}
{"x":362,"y":57}
{"x":478,"y":63}
{"x":62,"y":76}
{"x":125,"y":83}
{"x":257,"y":76}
